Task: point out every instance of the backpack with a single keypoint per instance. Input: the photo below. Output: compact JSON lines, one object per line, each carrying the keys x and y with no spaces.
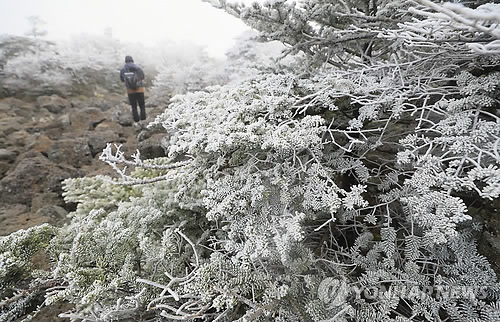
{"x":131,"y":80}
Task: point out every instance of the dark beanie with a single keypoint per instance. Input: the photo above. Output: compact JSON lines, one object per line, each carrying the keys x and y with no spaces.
{"x":129,"y":59}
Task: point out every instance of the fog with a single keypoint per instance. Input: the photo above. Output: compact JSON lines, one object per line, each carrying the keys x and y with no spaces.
{"x":147,"y":21}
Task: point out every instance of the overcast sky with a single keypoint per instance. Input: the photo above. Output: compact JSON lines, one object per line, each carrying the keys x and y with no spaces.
{"x":140,"y":20}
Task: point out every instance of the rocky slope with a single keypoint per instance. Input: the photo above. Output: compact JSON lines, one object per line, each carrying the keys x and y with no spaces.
{"x":47,"y":139}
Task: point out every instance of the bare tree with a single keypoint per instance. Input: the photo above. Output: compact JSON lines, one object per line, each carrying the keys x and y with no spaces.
{"x":36,"y":27}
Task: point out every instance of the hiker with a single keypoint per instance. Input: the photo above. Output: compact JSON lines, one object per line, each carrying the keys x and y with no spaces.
{"x":133,"y":77}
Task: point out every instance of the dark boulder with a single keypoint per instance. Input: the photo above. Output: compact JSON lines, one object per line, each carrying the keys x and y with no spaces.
{"x":98,"y":140}
{"x":72,"y":152}
{"x":33,"y":174}
{"x":82,"y":120}
{"x":53,"y":103}
{"x":154,"y":147}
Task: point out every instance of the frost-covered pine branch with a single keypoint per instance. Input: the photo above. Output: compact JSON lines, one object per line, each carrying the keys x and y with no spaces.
{"x":117,"y":158}
{"x":484,"y":19}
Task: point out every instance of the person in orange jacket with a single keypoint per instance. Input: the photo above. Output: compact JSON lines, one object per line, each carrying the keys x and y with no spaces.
{"x":133,"y":77}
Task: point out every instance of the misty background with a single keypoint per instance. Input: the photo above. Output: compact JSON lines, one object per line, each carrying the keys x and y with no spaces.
{"x":77,"y":47}
{"x":147,"y":22}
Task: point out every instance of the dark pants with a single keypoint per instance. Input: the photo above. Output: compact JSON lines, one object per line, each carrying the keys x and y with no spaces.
{"x":134,"y":99}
